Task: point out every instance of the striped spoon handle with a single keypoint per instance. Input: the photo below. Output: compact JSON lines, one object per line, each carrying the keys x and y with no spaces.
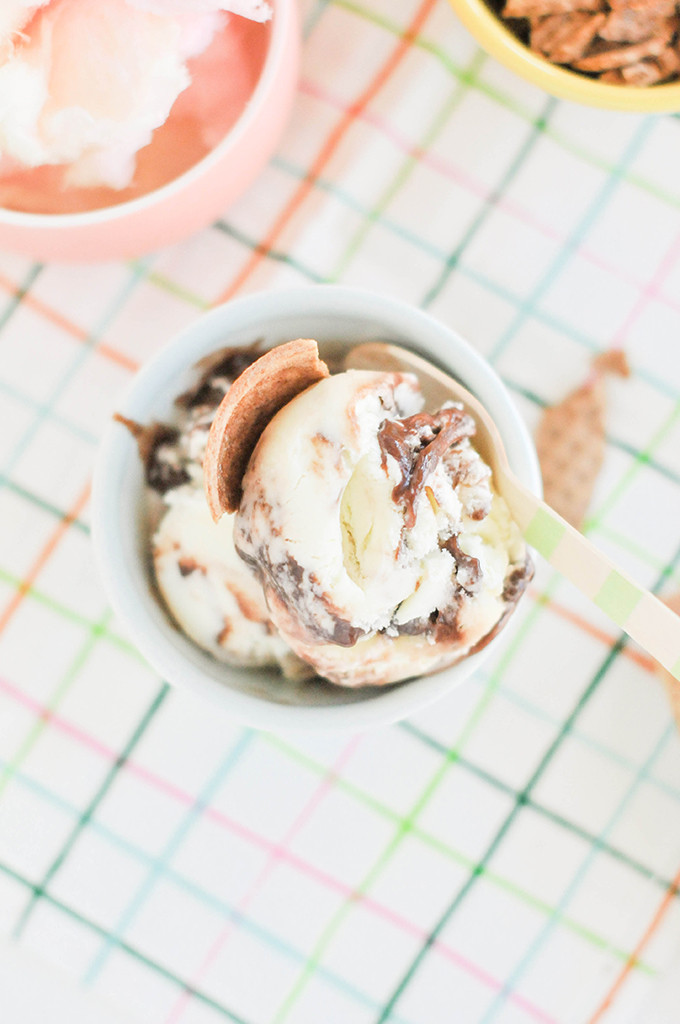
{"x":635,"y":610}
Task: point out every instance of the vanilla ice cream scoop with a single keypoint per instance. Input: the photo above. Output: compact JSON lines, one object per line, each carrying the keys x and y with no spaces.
{"x":382,"y":548}
{"x":209,"y":591}
{"x":212,"y":595}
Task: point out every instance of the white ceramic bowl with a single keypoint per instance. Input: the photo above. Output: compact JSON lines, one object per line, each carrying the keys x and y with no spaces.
{"x":330,"y":314}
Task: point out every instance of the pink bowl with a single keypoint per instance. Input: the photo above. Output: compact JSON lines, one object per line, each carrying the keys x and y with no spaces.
{"x":188,"y":202}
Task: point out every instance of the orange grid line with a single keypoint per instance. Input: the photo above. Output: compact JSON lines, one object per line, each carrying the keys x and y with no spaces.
{"x":354,"y":110}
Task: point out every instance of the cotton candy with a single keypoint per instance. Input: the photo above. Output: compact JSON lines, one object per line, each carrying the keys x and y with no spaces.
{"x":14,"y":17}
{"x":90,"y":84}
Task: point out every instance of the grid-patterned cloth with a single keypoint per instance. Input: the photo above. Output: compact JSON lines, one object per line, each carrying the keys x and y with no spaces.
{"x":511,"y":855}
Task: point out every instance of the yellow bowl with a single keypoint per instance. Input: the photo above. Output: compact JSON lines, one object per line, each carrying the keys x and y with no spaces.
{"x":498,"y":41}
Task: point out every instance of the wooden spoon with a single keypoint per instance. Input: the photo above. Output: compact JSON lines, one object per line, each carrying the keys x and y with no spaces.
{"x":635,"y":610}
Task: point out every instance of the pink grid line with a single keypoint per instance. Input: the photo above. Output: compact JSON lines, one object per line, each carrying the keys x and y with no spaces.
{"x":454,"y":173}
{"x":277,"y":854}
{"x":276,"y":851}
{"x":650,"y":291}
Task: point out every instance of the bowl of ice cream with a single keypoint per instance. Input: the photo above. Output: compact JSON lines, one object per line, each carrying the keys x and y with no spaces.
{"x":374,"y":561}
{"x":127,"y":125}
{"x":604,"y":53}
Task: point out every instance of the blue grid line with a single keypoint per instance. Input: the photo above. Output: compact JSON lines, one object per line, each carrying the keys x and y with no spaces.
{"x":271,"y":254}
{"x":137,"y":733}
{"x":521,"y":799}
{"x":45,"y":506}
{"x":571,"y":889}
{"x":516,"y":107}
{"x":615,"y":493}
{"x":81,"y":355}
{"x":158,"y":968}
{"x":569,"y":246}
{"x":497,"y":289}
{"x":536,"y":130}
{"x":314,"y":17}
{"x":233,"y":913}
{"x":34,"y":405}
{"x":203,"y":896}
{"x":642,"y":456}
{"x":409,"y":162}
{"x":17,"y":295}
{"x":179,"y":835}
{"x":592,"y":744}
{"x":91,"y":637}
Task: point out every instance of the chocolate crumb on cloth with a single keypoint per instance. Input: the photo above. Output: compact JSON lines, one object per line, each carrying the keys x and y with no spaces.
{"x":622,"y":42}
{"x":570,"y":440}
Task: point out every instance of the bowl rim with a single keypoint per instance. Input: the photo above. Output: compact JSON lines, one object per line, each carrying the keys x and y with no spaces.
{"x":498,"y":40}
{"x":282,"y":16}
{"x":135,"y":606}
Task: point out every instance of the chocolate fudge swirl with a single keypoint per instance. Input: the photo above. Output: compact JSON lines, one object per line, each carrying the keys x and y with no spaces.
{"x":417,"y":443}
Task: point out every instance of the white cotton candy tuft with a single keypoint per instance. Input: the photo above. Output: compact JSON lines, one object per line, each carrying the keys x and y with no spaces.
{"x":94,"y":80}
{"x":14,"y":17}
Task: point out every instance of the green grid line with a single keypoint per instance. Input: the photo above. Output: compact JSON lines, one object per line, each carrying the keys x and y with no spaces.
{"x":52,"y":603}
{"x":444,"y":848}
{"x":521,"y":800}
{"x":461,"y":859}
{"x":44,"y":506}
{"x":238,"y":748}
{"x":137,"y":954}
{"x":86,"y":816}
{"x":558,"y":819}
{"x":71,"y":674}
{"x":46,"y":409}
{"x":17,"y":296}
{"x":203,"y":896}
{"x":594,"y":850}
{"x":480,"y":868}
{"x":72,"y":428}
{"x":574,"y":240}
{"x":536,"y":130}
{"x":166,"y":283}
{"x":408,"y":165}
{"x":509,"y":103}
{"x":406,"y":824}
{"x":592,"y":345}
{"x":642,"y":460}
{"x":68,"y":614}
{"x":596,"y":745}
{"x":459,"y":760}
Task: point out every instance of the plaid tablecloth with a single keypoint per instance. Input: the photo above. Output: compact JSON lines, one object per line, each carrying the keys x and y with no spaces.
{"x":511,"y":855}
